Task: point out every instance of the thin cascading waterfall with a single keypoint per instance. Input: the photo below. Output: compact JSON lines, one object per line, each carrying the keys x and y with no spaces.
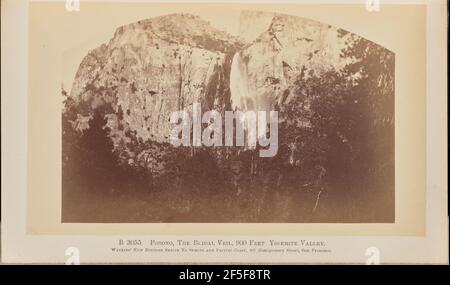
{"x":244,"y":101}
{"x":239,"y":89}
{"x":238,"y":84}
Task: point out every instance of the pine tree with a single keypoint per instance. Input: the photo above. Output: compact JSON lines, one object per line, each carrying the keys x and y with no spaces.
{"x":96,"y":149}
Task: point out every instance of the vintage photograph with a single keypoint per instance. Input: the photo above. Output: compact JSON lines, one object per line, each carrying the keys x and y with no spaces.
{"x":281,"y":119}
{"x":252,"y":132}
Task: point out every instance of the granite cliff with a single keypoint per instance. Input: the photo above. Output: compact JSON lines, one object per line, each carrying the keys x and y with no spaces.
{"x":156,"y":66}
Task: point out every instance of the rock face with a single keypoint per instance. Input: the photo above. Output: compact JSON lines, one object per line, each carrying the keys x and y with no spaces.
{"x":264,"y":71}
{"x":154,"y":67}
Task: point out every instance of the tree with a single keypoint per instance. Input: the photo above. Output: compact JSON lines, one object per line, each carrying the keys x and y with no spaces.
{"x":96,"y":149}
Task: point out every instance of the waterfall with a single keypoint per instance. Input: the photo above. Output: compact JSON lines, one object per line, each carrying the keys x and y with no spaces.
{"x":238,"y":84}
{"x":246,"y":95}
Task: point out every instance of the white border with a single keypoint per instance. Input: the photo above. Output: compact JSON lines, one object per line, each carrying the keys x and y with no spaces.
{"x":18,"y":247}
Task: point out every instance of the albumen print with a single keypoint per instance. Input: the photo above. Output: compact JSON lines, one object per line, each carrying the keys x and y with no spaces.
{"x":282,"y":119}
